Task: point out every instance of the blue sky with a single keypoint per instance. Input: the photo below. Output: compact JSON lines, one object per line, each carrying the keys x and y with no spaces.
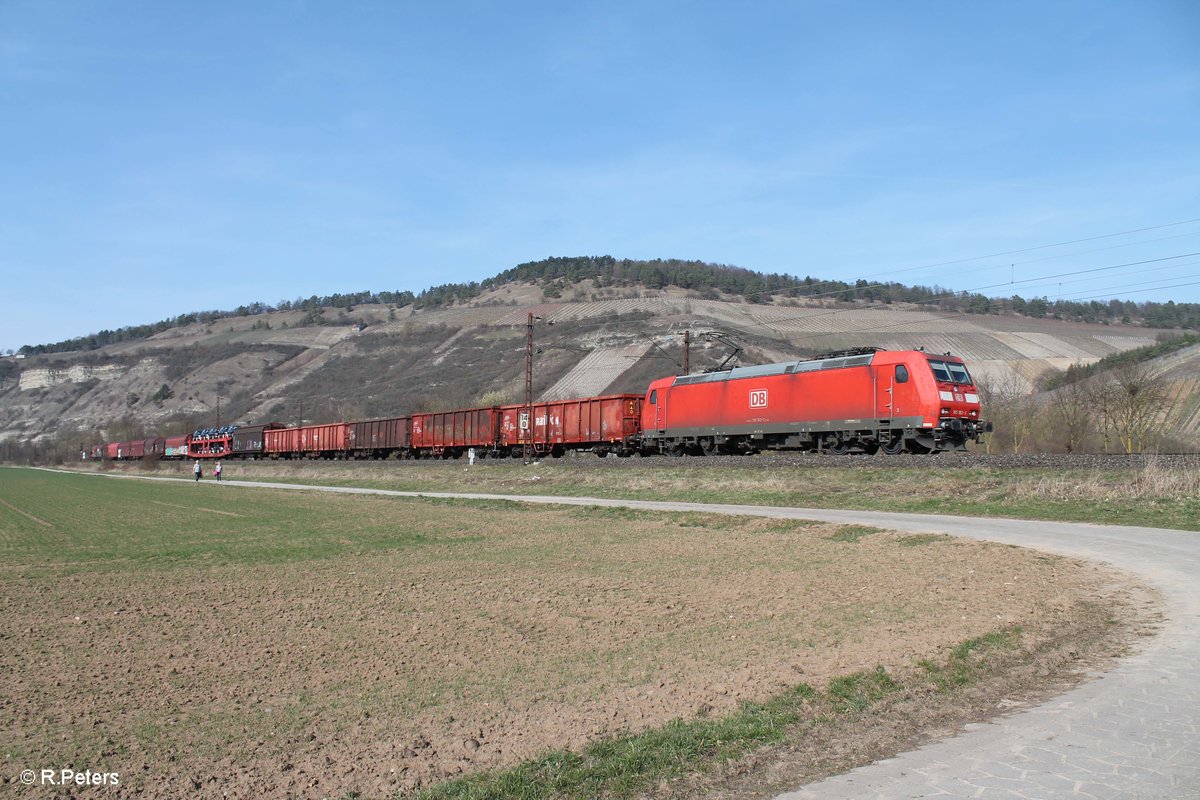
{"x":164,"y":157}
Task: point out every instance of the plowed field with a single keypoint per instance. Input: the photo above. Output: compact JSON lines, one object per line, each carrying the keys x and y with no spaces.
{"x":206,"y":641}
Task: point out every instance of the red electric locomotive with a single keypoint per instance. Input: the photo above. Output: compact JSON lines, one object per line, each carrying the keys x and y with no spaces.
{"x":859,"y":400}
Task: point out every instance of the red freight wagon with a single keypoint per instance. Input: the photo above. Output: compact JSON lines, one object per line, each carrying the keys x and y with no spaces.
{"x":380,"y":438}
{"x":325,"y":439}
{"x":112,"y":450}
{"x":450,"y":433}
{"x":127,"y":450}
{"x":281,"y":442}
{"x":312,"y":441}
{"x":859,"y":399}
{"x":154,"y":447}
{"x":601,"y":424}
{"x":175,"y":446}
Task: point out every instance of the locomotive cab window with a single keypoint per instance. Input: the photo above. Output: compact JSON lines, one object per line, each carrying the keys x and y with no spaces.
{"x":958,"y":372}
{"x":949,"y":372}
{"x":901,"y":373}
{"x":654,"y":397}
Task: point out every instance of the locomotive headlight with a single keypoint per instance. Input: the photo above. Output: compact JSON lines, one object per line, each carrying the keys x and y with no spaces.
{"x":945,"y":411}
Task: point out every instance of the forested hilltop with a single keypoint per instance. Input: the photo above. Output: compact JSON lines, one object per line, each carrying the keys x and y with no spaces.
{"x":554,"y":275}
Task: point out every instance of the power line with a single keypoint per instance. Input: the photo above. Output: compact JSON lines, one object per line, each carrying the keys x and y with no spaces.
{"x":948,"y":295}
{"x":935,"y":298}
{"x":1086,"y":271}
{"x":1140,"y":291}
{"x":1102,"y":249}
{"x":1046,"y":246}
{"x":878,"y":285}
{"x":1142,"y":272}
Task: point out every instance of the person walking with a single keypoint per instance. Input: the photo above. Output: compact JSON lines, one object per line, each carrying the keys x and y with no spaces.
{"x":196,"y":471}
{"x":217,"y":471}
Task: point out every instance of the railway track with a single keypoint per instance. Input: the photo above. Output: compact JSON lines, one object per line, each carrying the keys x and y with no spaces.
{"x":956,"y":460}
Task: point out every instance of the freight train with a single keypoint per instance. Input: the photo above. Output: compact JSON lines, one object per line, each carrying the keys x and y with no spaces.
{"x":863,"y":400}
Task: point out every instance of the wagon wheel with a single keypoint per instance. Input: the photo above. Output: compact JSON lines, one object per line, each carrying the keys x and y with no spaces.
{"x":916,"y":447}
{"x":675,"y":451}
{"x":839,"y":447}
{"x":708,"y":446}
{"x":894,"y":445}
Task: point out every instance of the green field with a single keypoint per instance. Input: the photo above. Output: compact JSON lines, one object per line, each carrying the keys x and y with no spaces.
{"x":88,"y":522}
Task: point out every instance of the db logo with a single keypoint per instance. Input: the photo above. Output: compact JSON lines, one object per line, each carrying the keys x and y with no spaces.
{"x":758,"y":398}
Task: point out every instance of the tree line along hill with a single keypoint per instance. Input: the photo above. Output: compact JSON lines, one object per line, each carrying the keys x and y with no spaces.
{"x":558,"y":274}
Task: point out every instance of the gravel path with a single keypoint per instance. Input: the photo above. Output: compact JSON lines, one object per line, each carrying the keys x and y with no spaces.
{"x":1132,"y":733}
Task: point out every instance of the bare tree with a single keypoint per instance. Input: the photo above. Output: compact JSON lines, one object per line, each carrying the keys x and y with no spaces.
{"x":1136,"y":400}
{"x":1007,"y":405}
{"x":1072,"y":415}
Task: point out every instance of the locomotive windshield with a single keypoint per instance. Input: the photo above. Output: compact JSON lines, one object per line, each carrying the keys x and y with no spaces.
{"x":949,"y":371}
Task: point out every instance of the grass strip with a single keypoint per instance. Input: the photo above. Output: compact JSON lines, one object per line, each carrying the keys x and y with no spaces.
{"x":852,"y":533}
{"x":968,"y":660}
{"x":1151,"y":496}
{"x":622,"y":766}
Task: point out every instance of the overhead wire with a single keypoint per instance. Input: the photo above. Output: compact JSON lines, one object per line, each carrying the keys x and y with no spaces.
{"x":1061,"y":295}
{"x":1099,"y":249}
{"x":957,"y":293}
{"x":878,"y":285}
{"x":1140,"y":291}
{"x":770,"y":324}
{"x":1045,"y":246}
{"x":937,"y":298}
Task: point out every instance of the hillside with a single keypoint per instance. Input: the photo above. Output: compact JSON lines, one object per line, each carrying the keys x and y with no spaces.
{"x":375,"y":360}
